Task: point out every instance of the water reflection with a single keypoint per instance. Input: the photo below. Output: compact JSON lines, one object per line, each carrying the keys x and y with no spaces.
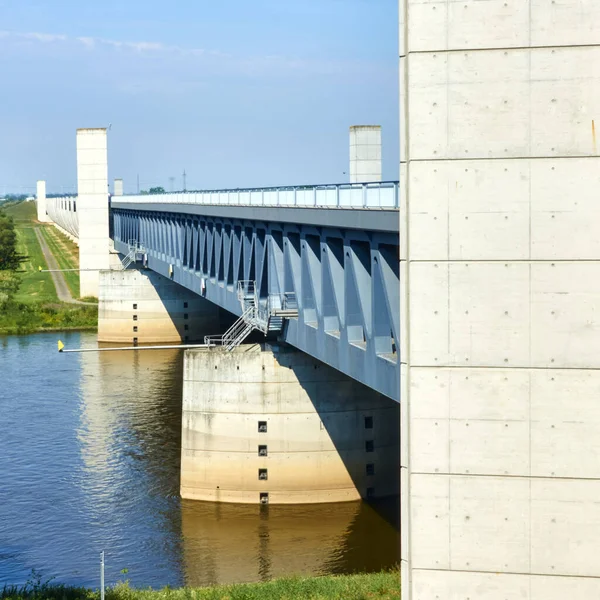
{"x":235,"y":543}
{"x":90,"y":462}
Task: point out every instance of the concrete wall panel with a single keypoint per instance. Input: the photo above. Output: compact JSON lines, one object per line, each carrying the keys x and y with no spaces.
{"x":565,"y":23}
{"x":488,"y":314}
{"x":430,"y":522}
{"x":429,"y":313}
{"x":485,"y":516}
{"x":565,"y":325}
{"x":565,"y":101}
{"x":565,"y":526}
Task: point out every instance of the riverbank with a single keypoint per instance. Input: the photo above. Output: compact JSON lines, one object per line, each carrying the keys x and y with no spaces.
{"x":383,"y":586}
{"x":37,"y":307}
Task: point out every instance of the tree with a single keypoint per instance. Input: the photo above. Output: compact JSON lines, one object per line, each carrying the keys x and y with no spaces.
{"x":9,"y":259}
{"x":9,"y":286}
{"x":153,"y":190}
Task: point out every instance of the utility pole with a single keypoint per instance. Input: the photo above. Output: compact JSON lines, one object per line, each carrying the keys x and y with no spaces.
{"x":184,"y":181}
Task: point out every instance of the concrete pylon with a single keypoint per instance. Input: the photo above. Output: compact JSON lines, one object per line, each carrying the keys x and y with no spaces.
{"x":500,"y":272}
{"x":118,"y":187}
{"x":365,"y":153}
{"x":42,"y":217}
{"x":92,"y":207}
{"x":270,"y":424}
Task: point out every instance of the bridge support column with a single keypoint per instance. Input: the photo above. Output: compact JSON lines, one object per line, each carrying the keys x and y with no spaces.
{"x":500,"y":271}
{"x":143,"y":307}
{"x":42,"y":216}
{"x":92,"y":207}
{"x":271,"y":424}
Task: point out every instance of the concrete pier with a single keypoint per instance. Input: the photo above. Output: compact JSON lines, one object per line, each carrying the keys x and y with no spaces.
{"x":143,"y":307}
{"x":92,"y":207}
{"x":500,"y":264}
{"x":271,"y":424}
{"x":42,"y":216}
{"x":365,"y":153}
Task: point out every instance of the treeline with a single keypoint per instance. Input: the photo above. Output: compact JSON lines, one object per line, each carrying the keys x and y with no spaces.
{"x":9,"y":260}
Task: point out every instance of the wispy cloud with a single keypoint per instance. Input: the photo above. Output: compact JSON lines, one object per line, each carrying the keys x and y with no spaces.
{"x":95,"y":42}
{"x":249,"y":65}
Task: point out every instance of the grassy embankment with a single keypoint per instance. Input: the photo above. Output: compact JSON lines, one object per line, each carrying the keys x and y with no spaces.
{"x":381,"y":586}
{"x":36,"y":307}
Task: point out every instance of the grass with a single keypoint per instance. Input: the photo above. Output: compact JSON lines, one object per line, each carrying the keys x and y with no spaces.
{"x":381,"y":586}
{"x":66,"y":254}
{"x":35,"y":307}
{"x":35,"y":286}
{"x":21,"y":211}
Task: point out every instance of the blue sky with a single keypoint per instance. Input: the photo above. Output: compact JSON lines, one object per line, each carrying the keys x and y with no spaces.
{"x":237,"y":92}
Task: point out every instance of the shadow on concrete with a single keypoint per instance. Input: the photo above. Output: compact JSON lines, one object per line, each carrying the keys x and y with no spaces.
{"x":363,"y":425}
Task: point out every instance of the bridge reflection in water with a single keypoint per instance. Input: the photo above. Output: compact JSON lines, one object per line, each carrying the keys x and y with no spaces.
{"x":230,"y":543}
{"x":130,"y":440}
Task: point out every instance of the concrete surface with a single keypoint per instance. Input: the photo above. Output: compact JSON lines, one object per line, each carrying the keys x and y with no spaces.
{"x":317,"y":438}
{"x":92,"y":207}
{"x":500,"y":263}
{"x":145,"y":306}
{"x":365,"y":153}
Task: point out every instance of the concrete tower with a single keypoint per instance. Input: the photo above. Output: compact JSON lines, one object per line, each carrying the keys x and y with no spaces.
{"x":92,"y":207}
{"x":365,"y":153}
{"x":42,"y":217}
{"x":500,"y":276}
{"x":118,"y":187}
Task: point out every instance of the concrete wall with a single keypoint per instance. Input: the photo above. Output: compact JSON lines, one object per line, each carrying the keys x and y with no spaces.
{"x":144,"y":307}
{"x":365,"y":153}
{"x":500,"y":277}
{"x":320,"y":444}
{"x":42,"y":217}
{"x":92,"y":207}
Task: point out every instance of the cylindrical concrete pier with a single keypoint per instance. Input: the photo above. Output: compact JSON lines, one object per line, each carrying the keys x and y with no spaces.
{"x":271,"y":424}
{"x":143,"y":307}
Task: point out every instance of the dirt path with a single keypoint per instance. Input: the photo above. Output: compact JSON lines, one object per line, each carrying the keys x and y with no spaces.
{"x":62,"y":289}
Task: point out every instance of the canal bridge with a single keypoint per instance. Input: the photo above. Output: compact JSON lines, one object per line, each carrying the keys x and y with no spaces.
{"x":326,"y":256}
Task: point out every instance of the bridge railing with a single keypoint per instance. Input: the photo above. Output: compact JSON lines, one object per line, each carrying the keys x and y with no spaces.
{"x":383,"y":195}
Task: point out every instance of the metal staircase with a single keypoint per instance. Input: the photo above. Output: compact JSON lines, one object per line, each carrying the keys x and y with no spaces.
{"x":135,"y":250}
{"x":267,"y":316}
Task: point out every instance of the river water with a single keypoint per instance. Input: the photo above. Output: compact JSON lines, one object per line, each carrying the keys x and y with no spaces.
{"x":89,"y":461}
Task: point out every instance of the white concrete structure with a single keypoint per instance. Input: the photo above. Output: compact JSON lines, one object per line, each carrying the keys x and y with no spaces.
{"x":272,"y":424}
{"x":500,"y":275}
{"x":42,"y":216}
{"x":143,"y":307}
{"x":118,"y":187}
{"x":365,"y":153}
{"x":92,"y":207}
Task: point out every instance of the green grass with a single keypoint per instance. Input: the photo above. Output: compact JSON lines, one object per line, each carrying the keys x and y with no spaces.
{"x":382,"y":586}
{"x":18,"y":318}
{"x":35,"y":286}
{"x":35,"y":307}
{"x":64,"y":252}
{"x":21,"y":212}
